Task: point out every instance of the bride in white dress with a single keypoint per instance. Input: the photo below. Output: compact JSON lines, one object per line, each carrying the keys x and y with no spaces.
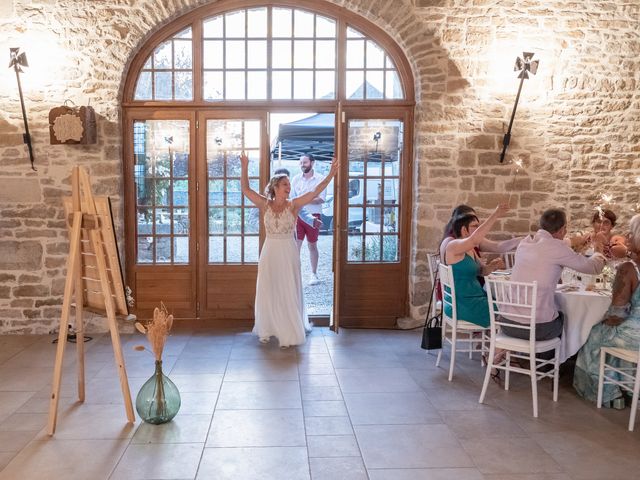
{"x":279,"y":307}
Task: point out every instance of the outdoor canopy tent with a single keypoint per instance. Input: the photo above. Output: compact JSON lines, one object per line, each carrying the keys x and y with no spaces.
{"x":314,"y":134}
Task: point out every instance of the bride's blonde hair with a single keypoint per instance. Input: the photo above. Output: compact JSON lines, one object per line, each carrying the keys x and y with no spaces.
{"x":270,"y":189}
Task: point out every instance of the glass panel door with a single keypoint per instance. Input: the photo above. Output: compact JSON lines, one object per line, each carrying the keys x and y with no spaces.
{"x":229,"y":222}
{"x":373,"y":190}
{"x":160,"y":183}
{"x":161,"y":171}
{"x":233,"y":220}
{"x":373,"y":262}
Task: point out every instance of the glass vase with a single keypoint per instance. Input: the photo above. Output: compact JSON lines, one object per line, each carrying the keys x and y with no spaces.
{"x":158,"y":400}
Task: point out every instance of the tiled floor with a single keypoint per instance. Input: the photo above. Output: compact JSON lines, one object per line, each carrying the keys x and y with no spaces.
{"x":363,"y":404}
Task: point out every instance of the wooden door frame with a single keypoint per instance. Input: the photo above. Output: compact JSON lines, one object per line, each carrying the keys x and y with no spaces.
{"x":132,"y":267}
{"x":406,"y":115}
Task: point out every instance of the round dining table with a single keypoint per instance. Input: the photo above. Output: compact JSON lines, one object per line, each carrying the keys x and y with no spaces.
{"x":582,"y":310}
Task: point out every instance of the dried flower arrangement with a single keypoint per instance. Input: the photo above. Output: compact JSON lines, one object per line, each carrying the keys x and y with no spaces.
{"x":156,"y":331}
{"x":158,"y":400}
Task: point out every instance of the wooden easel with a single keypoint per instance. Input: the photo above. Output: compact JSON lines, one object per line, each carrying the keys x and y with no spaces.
{"x":95,"y":280}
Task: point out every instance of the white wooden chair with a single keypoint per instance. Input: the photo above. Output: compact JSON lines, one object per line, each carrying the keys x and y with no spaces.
{"x":521,"y":297}
{"x":509,"y":259}
{"x":629,"y":379}
{"x":433,"y":260}
{"x":455,"y":325}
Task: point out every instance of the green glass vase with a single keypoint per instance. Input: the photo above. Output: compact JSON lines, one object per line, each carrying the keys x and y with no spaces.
{"x":158,"y":400}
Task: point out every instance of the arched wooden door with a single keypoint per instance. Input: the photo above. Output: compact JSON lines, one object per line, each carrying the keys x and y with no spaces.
{"x":200,"y":91}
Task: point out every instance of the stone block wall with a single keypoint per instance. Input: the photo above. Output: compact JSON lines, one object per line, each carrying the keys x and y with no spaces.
{"x":577,"y":128}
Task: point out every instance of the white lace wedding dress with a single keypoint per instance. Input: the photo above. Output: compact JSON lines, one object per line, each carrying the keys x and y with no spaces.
{"x":280,"y":311}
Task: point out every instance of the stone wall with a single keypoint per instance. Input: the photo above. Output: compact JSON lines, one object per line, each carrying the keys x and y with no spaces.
{"x":577,"y":128}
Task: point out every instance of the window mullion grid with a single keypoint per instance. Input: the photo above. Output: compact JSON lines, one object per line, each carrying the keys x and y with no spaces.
{"x":225,"y":203}
{"x":224,"y":58}
{"x":269,"y":53}
{"x":173,"y":71}
{"x":246,"y":54}
{"x":315,"y":61}
{"x":242,"y":199}
{"x":170,"y":204}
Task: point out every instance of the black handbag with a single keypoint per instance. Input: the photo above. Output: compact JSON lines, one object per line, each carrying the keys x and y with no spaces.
{"x":432,"y":330}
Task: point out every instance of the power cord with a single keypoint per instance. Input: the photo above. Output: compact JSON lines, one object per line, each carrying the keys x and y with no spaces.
{"x":72,"y":337}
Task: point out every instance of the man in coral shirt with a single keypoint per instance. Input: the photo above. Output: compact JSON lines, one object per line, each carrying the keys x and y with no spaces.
{"x":300,"y":184}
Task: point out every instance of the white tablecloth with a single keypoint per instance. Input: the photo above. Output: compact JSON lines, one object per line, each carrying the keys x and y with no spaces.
{"x":582,"y":310}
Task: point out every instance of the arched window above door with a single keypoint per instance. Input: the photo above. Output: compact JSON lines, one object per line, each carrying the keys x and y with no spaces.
{"x":269,"y":53}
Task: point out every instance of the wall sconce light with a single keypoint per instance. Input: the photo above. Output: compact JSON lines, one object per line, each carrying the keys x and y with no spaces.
{"x":376,"y":138}
{"x":523,"y":65}
{"x":19,"y":60}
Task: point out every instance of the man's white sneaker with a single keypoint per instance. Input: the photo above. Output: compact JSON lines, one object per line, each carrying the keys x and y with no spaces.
{"x":314,"y":279}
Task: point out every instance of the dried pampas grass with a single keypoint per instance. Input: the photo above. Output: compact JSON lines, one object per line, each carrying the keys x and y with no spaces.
{"x":157,"y":331}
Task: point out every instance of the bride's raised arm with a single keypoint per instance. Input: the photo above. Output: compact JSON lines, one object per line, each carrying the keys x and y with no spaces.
{"x":259,"y":200}
{"x":308,"y":197}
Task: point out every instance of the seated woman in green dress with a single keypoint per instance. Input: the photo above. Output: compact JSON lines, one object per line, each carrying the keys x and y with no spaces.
{"x":619,"y":328}
{"x":471,"y":300}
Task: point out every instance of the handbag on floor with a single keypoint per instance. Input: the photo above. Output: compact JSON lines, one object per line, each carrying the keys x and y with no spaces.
{"x":432,"y":330}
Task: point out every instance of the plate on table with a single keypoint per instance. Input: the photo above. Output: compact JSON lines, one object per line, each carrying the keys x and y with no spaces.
{"x":566,"y":287}
{"x":501,"y":272}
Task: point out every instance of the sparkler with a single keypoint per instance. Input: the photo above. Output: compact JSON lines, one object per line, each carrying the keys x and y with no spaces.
{"x":514,"y":176}
{"x":606,"y":199}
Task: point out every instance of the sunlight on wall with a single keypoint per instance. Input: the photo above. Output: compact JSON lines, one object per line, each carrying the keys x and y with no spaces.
{"x":48,"y":62}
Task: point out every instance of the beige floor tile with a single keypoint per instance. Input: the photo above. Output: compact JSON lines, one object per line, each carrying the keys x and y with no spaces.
{"x":252,"y":370}
{"x":426,"y":474}
{"x":333,"y":446}
{"x":344,"y":468}
{"x":393,"y":429}
{"x":533,"y":476}
{"x":204,"y":349}
{"x":257,"y":428}
{"x":310,"y":358}
{"x":321,"y":394}
{"x":24,"y":379}
{"x":193,"y":365}
{"x":12,"y":401}
{"x":108,"y":390}
{"x":312,"y":368}
{"x":183,"y":428}
{"x":488,"y":422}
{"x":159,"y":462}
{"x":318,"y":380}
{"x":5,"y":458}
{"x":257,"y":395}
{"x":198,"y":383}
{"x":92,"y":422}
{"x":459,"y":394}
{"x":41,"y":460}
{"x":343,"y":358}
{"x":259,"y":351}
{"x":390,"y":408}
{"x":11,"y":441}
{"x":198,"y":403}
{"x":38,"y":404}
{"x":271,"y":463}
{"x":328,"y":426}
{"x":592,"y":455}
{"x":324,"y":408}
{"x":33,"y":422}
{"x":524,"y":455}
{"x":410,"y":446}
{"x":369,"y":380}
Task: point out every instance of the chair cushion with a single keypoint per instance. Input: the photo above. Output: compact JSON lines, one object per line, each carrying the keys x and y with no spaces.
{"x":464,"y":325}
{"x":521,"y":345}
{"x":623,"y":353}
